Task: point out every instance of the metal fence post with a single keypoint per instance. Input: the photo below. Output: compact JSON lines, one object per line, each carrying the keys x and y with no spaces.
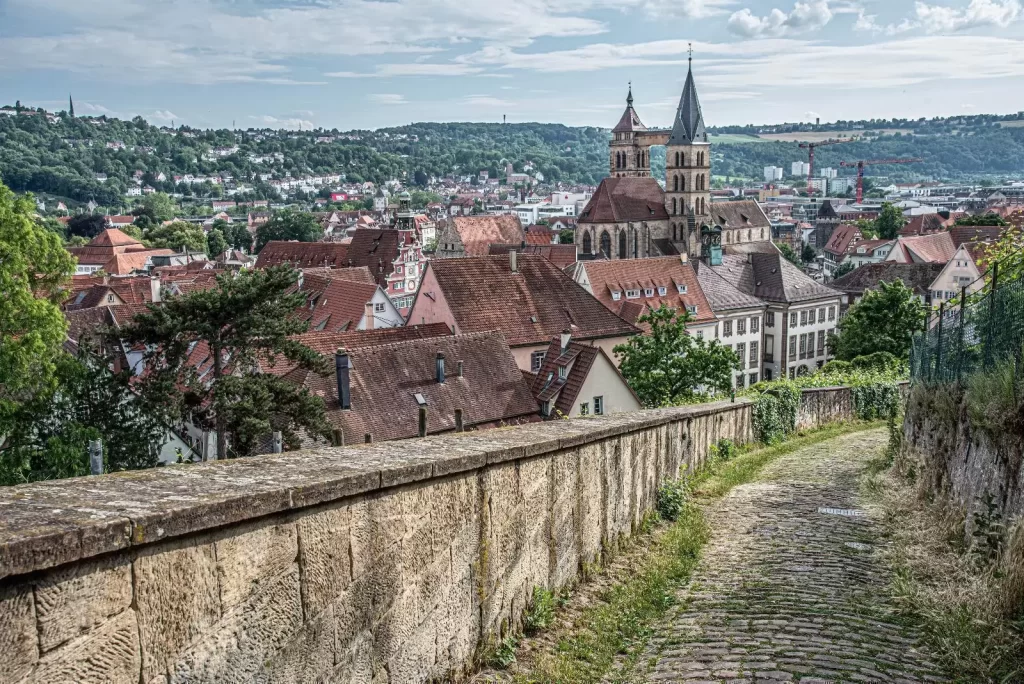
{"x":278,"y":445}
{"x":991,"y":314}
{"x":96,"y":456}
{"x":938,"y":344}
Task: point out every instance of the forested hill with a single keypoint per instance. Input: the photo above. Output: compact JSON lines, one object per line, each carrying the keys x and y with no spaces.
{"x":63,"y":158}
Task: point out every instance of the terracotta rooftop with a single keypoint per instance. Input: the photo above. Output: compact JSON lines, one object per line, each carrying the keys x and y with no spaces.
{"x":917,"y":276}
{"x":334,"y":304}
{"x":478,"y":232}
{"x":113,"y":237}
{"x":611,"y":277}
{"x":376,"y":249}
{"x":549,"y":384}
{"x":303,"y":254}
{"x":528,"y":307}
{"x":934,"y":247}
{"x":739,"y":214}
{"x":625,"y":199}
{"x":842,"y":238}
{"x":560,"y":255}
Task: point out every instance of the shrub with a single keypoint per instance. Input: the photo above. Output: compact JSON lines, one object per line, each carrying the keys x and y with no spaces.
{"x":836,"y":366}
{"x":671,"y":499}
{"x":875,"y":400}
{"x":541,"y":611}
{"x":774,"y":414}
{"x":879,"y":361}
{"x":992,"y":403}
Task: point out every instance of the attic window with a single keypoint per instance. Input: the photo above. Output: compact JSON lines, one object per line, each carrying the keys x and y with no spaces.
{"x":616,"y":295}
{"x":692,"y":310}
{"x":563,"y":371}
{"x":662,"y":290}
{"x":649,"y":292}
{"x":533,"y":319}
{"x":420,"y":399}
{"x":681,"y":288}
{"x":632,"y":294}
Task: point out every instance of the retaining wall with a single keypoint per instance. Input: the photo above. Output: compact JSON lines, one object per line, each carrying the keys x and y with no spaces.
{"x":392,"y":562}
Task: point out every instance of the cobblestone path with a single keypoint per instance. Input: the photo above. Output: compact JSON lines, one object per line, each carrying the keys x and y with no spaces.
{"x":788,"y":588}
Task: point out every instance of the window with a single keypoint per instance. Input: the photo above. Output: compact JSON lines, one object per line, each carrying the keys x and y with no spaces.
{"x":726,"y":328}
{"x":632,"y":294}
{"x":753,"y":378}
{"x":741,"y":351}
{"x":563,"y":371}
{"x":792,"y":320}
{"x":537,"y":360}
{"x":662,"y":291}
{"x":769,"y":319}
{"x":378,"y":307}
{"x":598,"y":406}
{"x":769,"y":348}
{"x":741,"y":326}
{"x":803,"y":318}
{"x":681,"y":289}
{"x":821,"y":315}
{"x":755,"y":324}
{"x":792,"y":347}
{"x":616,"y":295}
{"x":700,"y":334}
{"x":792,"y":373}
{"x":831,"y":313}
{"x":398,"y":269}
{"x":585,"y":408}
{"x":692,"y":310}
{"x":110,"y":299}
{"x":649,"y":292}
{"x":399,"y":286}
{"x":821,"y":342}
{"x":753,"y":354}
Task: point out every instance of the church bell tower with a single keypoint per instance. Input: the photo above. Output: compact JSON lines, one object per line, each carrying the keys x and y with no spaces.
{"x":688,"y":168}
{"x":627,"y":157}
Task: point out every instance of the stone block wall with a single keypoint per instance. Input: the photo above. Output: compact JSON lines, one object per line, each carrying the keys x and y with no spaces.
{"x":391,"y":562}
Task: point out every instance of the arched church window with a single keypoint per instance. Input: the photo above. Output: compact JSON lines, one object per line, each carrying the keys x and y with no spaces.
{"x":586,"y":242}
{"x":673,"y":206}
{"x":675,"y":184}
{"x":636,"y":244}
{"x":606,"y":244}
{"x":622,"y":244}
{"x":682,"y":159}
{"x":674,"y":235}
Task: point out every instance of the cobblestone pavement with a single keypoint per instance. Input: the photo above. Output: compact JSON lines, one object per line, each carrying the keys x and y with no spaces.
{"x":788,"y":588}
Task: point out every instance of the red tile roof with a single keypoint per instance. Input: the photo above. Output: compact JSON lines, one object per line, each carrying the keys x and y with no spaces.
{"x":303,"y":254}
{"x":625,"y":199}
{"x":842,"y":239}
{"x":376,"y":249}
{"x":334,"y":304}
{"x":607,"y":276}
{"x":560,"y":255}
{"x":962,"y":234}
{"x":548,"y":383}
{"x":478,"y":232}
{"x":359,"y":274}
{"x":386,"y":378}
{"x":934,"y":247}
{"x":528,"y":307}
{"x":113,"y":237}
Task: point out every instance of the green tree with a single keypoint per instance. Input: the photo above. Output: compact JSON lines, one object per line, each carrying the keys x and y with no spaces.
{"x":666,"y":366}
{"x":159,"y":206}
{"x":243,"y":321}
{"x":885,"y":320}
{"x":237,"y":236}
{"x":34,"y":267}
{"x":987,"y":219}
{"x":289,"y":225}
{"x":86,"y":225}
{"x":807,"y":254}
{"x":889,"y":222}
{"x":177,"y":236}
{"x":215,"y":243}
{"x":789,"y":253}
{"x":566,"y":237}
{"x":844,"y":268}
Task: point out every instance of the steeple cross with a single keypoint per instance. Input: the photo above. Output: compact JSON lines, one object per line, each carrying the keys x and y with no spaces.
{"x":690,"y":50}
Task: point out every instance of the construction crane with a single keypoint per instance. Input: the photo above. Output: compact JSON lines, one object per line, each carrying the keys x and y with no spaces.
{"x":809,"y":146}
{"x":871,"y":162}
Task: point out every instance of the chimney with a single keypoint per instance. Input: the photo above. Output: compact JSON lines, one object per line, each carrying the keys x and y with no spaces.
{"x":513,"y":260}
{"x":683,"y":258}
{"x":369,"y":316}
{"x":341,"y":371}
{"x":154,"y":288}
{"x":440,"y":367}
{"x":566,"y":337}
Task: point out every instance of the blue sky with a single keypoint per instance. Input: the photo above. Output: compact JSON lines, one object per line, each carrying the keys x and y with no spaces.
{"x":366,"y":64}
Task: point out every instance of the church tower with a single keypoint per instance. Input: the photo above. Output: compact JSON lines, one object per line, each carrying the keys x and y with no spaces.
{"x":688,"y":170}
{"x":627,"y":158}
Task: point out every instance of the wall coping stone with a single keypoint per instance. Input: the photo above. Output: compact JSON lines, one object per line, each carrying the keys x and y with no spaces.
{"x":46,"y":524}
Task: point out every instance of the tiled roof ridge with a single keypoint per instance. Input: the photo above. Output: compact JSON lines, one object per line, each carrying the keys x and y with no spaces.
{"x":485,"y":334}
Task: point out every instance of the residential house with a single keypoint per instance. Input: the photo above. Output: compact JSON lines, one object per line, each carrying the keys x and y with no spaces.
{"x":740,"y":326}
{"x":115,"y":253}
{"x":918,"y":276}
{"x":959,"y":272}
{"x":524,"y":296}
{"x":337,"y":304}
{"x":933,"y":247}
{"x":471,"y":236}
{"x":580,"y":380}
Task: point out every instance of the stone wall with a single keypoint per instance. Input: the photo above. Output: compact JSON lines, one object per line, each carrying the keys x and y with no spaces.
{"x":390,"y":562}
{"x":964,"y":464}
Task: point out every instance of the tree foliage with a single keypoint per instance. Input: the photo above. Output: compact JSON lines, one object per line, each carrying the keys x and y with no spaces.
{"x":846,"y":267}
{"x":666,"y":366}
{"x":289,"y":225}
{"x":807,"y":254}
{"x":885,"y":320}
{"x":34,"y":267}
{"x":889,"y":222}
{"x":86,"y":225}
{"x":242,"y":322}
{"x":159,"y":206}
{"x":177,"y":236}
{"x":986,"y":219}
{"x":789,"y":253}
{"x":215,"y":243}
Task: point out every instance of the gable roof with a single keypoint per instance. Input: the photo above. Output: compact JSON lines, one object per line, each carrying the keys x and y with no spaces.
{"x":359,"y":274}
{"x":772,"y":278}
{"x":113,"y":237}
{"x":825,"y":211}
{"x":477,"y":232}
{"x":934,"y":247}
{"x":376,"y":249}
{"x":962,"y":234}
{"x":618,"y":275}
{"x":560,"y":255}
{"x":549,"y":384}
{"x":917,"y":276}
{"x":721,"y":294}
{"x":528,"y":307}
{"x":739,"y":214}
{"x":688,"y":126}
{"x":629,"y":121}
{"x":385,"y":378}
{"x":625,"y":199}
{"x":303,"y":254}
{"x":334,"y":304}
{"x":842,"y":239}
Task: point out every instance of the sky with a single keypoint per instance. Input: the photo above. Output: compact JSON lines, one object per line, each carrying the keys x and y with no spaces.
{"x":358,"y":64}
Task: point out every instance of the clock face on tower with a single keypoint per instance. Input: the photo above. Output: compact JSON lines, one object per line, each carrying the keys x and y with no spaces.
{"x":717,"y":239}
{"x":707,"y":240}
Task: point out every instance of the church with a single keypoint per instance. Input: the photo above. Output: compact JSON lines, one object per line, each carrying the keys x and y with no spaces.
{"x":631,"y":215}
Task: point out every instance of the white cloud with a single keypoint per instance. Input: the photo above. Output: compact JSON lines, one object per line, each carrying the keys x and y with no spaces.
{"x":275,"y":122}
{"x":388,"y":98}
{"x":937,"y":19}
{"x":805,"y":16}
{"x":415,"y":69}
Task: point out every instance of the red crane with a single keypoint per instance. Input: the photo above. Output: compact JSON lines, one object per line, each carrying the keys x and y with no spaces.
{"x":809,"y":146}
{"x":869,"y":162}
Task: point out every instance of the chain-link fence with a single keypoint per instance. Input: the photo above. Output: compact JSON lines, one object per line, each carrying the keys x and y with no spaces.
{"x":961,"y":340}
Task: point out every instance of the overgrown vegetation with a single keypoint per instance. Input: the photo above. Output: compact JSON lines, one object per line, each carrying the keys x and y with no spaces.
{"x":993,"y":399}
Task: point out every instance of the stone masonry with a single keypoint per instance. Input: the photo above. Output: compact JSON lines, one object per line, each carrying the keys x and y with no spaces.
{"x":788,"y":588}
{"x":391,"y":562}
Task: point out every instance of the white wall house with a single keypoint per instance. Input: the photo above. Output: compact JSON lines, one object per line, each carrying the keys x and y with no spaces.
{"x":961,"y":271}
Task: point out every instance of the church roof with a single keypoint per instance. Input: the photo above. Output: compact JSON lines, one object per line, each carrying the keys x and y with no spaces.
{"x":630,"y":121}
{"x":688,"y":126}
{"x":625,"y":199}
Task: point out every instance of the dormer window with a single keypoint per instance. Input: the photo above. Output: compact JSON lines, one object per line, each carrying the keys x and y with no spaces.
{"x":616,"y":295}
{"x":692,"y":310}
{"x":649,"y":292}
{"x":632,"y":294}
{"x":662,"y":290}
{"x":681,"y":288}
{"x":563,"y":371}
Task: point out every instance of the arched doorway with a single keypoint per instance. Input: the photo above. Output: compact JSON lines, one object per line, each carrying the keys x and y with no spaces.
{"x":606,"y":244}
{"x":622,"y":244}
{"x":586,"y":242}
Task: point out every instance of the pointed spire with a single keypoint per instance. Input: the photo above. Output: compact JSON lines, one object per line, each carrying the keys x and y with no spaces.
{"x":688,"y":126}
{"x":629,"y":97}
{"x":629,"y":120}
{"x":71,"y":107}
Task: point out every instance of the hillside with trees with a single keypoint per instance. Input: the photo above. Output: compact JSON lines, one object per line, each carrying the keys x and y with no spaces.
{"x":62,"y":157}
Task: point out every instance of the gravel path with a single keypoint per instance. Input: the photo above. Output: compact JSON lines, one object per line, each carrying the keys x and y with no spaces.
{"x":789,"y":587}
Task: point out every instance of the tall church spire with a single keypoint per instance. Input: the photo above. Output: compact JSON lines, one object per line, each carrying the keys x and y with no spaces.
{"x":71,"y":107}
{"x":688,"y":126}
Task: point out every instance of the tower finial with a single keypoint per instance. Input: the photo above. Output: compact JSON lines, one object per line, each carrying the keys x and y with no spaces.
{"x":629,"y":97}
{"x":690,"y":58}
